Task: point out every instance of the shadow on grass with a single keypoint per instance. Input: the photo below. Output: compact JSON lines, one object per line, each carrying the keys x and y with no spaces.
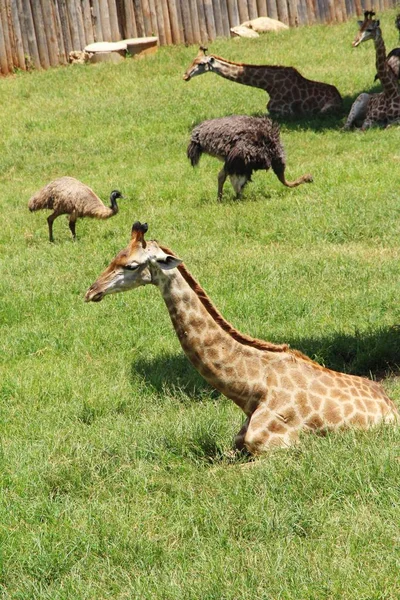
{"x":370,"y":354}
{"x":318,"y":122}
{"x":173,"y":374}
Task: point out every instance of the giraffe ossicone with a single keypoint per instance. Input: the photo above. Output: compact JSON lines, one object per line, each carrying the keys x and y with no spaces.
{"x":281,"y":391}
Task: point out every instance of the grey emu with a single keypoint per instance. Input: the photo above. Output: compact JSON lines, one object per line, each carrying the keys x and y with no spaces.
{"x":245,"y":144}
{"x":68,"y":196}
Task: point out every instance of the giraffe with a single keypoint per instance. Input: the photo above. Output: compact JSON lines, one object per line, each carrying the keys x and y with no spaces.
{"x":281,"y":391}
{"x":290,"y":93}
{"x":376,"y":109}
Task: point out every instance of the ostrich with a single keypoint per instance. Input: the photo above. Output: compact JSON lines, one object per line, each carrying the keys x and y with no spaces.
{"x":68,"y":196}
{"x":244,"y":144}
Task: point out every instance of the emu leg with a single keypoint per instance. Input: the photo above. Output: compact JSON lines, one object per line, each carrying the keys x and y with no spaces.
{"x":72,"y":223}
{"x":50,"y":220}
{"x":222,"y":175}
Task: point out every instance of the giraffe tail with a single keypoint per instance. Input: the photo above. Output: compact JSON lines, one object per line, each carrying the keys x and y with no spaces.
{"x":194,"y":152}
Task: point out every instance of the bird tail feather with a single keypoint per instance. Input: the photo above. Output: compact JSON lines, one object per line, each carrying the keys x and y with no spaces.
{"x":194,"y":152}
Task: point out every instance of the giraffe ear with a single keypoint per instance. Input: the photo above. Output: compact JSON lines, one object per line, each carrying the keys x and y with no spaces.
{"x":168,"y":262}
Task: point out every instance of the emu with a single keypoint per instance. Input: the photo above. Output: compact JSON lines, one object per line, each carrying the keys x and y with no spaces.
{"x":244,"y":144}
{"x":68,"y":196}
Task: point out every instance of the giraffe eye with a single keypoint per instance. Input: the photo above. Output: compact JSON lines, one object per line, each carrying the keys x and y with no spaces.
{"x":131,"y":267}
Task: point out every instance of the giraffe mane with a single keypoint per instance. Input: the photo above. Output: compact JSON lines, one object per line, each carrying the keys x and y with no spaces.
{"x":240,"y":64}
{"x":242,"y":338}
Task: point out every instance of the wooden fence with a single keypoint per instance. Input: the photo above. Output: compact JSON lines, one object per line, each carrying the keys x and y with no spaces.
{"x":41,"y":33}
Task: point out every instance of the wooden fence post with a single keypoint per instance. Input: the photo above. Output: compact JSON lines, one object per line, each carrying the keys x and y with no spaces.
{"x":283,"y":14}
{"x":4,"y":67}
{"x":16,"y":27}
{"x":187,"y":22}
{"x":252,"y":8}
{"x":225,"y":18}
{"x":262,"y":8}
{"x":114,"y":26}
{"x":40,"y":33}
{"x":219,"y":30}
{"x":167,"y":23}
{"x":210,"y":23}
{"x":202,"y":22}
{"x":29,"y":31}
{"x":233,"y":13}
{"x":272,"y":9}
{"x":87,"y":22}
{"x":174,"y":20}
{"x":243,"y":11}
{"x":50,"y":33}
{"x":195,"y":21}
{"x":105,"y":20}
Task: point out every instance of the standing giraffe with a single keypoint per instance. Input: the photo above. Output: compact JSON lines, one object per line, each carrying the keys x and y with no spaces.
{"x":376,"y":109}
{"x":281,"y":391}
{"x":290,"y":93}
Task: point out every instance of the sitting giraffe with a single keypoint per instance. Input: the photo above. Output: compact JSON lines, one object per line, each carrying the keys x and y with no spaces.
{"x":376,"y":109}
{"x":290,"y":93}
{"x":281,"y":391}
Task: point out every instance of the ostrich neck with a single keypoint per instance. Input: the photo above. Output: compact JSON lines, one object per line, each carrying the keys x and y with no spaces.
{"x":256,"y":76}
{"x":387,"y":77}
{"x":233,"y":368}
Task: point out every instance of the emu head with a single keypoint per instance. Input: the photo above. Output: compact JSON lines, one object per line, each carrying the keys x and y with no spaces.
{"x":369,"y":29}
{"x":136,"y":265}
{"x":201,"y":64}
{"x":115,"y":194}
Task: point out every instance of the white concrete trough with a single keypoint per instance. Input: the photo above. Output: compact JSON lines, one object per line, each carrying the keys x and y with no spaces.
{"x":117,"y":51}
{"x":106,"y":51}
{"x":142,"y":46}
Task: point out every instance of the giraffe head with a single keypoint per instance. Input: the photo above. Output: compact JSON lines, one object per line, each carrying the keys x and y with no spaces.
{"x":135,"y":265}
{"x":201,"y":64}
{"x":369,"y":29}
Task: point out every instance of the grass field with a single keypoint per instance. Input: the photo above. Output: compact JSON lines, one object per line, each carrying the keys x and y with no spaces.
{"x":115,"y":476}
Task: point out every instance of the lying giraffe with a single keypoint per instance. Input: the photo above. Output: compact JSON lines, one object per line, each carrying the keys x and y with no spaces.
{"x":281,"y":391}
{"x":290,"y":93}
{"x":376,"y":109}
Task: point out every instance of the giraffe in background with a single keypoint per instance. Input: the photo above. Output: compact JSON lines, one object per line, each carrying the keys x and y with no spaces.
{"x":376,"y":109}
{"x":281,"y":391}
{"x":290,"y":93}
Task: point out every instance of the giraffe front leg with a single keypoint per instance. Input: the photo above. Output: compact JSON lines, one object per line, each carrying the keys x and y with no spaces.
{"x":358,"y":111}
{"x":238,"y":442}
{"x":268,"y":429}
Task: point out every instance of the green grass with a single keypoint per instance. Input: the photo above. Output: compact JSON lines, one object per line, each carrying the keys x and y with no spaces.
{"x":115,"y":471}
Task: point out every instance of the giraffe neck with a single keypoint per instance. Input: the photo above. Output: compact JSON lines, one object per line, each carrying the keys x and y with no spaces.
{"x":238,"y":370}
{"x":260,"y":76}
{"x":387,"y":77}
